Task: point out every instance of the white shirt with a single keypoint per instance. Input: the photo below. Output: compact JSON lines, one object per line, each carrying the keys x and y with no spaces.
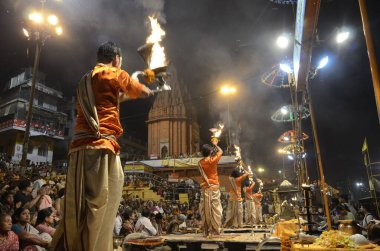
{"x":117,"y":226}
{"x":148,"y":227}
{"x":367,"y":218}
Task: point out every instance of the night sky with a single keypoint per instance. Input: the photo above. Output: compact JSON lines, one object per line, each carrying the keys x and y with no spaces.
{"x":211,"y":42}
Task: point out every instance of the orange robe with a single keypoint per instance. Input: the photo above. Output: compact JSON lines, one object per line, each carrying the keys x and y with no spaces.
{"x":210,"y":167}
{"x":234,"y":216}
{"x":210,"y":206}
{"x":95,"y":177}
{"x":107,"y":83}
{"x":237,"y":196}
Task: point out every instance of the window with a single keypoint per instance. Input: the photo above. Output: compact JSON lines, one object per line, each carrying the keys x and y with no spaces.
{"x":43,"y":149}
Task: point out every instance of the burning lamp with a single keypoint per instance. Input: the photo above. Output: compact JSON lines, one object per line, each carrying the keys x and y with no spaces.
{"x":154,"y":55}
{"x":145,"y":51}
{"x":216,"y":132}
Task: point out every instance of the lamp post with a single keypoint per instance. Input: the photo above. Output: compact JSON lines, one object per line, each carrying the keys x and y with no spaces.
{"x":322,"y":64}
{"x":41,"y":29}
{"x":288,"y":70}
{"x":228,"y":90}
{"x":371,"y":54}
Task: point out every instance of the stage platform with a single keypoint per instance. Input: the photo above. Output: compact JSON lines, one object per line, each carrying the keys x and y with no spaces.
{"x":228,"y":240}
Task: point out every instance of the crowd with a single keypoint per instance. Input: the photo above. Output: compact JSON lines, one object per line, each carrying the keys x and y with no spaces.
{"x":31,"y":208}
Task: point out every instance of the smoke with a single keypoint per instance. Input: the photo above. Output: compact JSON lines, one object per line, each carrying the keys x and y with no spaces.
{"x":155,"y":8}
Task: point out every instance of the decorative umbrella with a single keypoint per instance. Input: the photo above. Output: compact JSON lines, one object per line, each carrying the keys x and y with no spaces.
{"x":288,"y":113}
{"x":275,"y":77}
{"x":291,"y":149}
{"x":290,"y":137}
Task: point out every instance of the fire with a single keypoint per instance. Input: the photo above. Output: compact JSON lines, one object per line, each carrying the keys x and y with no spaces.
{"x":249,"y":169}
{"x":237,"y":151}
{"x":219,"y":131}
{"x":158,"y":58}
{"x":216,"y":132}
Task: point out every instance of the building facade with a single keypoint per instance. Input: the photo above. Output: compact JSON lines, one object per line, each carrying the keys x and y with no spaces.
{"x":173,"y":130}
{"x":47,"y":124}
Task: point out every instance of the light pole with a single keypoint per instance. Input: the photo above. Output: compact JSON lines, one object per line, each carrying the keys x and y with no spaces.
{"x":322,"y":64}
{"x":228,"y":90}
{"x":371,"y":54}
{"x":289,"y":71}
{"x":41,"y":29}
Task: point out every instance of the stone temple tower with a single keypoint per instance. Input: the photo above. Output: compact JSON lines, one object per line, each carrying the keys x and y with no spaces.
{"x":173,"y":130}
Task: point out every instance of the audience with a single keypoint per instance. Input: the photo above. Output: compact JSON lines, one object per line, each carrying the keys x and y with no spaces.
{"x":144,"y":224}
{"x":8,"y":239}
{"x":45,"y":221}
{"x":27,"y":234}
{"x":25,"y":196}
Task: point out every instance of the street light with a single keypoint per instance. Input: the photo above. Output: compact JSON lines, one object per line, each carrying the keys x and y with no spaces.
{"x":260,"y":170}
{"x":40,"y":31}
{"x":286,"y":68}
{"x":284,"y":110}
{"x":228,"y":90}
{"x":359,"y":184}
{"x":342,"y":36}
{"x":323,"y":62}
{"x":282,"y":41}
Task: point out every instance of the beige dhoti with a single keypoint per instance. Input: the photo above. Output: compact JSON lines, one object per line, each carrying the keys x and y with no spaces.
{"x":234,"y":217}
{"x":250,"y":212}
{"x":94,"y":187}
{"x":211,"y":210}
{"x":259,"y":214}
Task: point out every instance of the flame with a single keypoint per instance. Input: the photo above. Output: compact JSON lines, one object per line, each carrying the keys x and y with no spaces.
{"x":217,"y":132}
{"x":158,"y":58}
{"x":237,"y":151}
{"x":249,"y":169}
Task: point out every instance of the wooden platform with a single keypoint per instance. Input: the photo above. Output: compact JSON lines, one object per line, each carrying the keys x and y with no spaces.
{"x":226,"y":241}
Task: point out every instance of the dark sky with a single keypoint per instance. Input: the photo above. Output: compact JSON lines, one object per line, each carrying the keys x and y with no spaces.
{"x":211,"y":42}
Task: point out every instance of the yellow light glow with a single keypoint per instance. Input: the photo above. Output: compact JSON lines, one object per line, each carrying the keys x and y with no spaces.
{"x":260,"y":169}
{"x":281,"y":151}
{"x":58,"y":30}
{"x":53,"y":20}
{"x":226,"y":90}
{"x":36,"y":17}
{"x":25,"y":31}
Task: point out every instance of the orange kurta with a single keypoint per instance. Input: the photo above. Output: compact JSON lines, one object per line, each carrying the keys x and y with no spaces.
{"x":248,"y":192}
{"x":107,"y":83}
{"x":238,"y":181}
{"x":210,"y":167}
{"x":257,"y":198}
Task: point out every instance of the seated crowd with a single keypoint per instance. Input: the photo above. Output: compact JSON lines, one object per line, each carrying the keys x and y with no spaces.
{"x":31,"y":208}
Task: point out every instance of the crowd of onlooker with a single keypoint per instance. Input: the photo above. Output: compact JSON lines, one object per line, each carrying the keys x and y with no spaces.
{"x":31,"y":207}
